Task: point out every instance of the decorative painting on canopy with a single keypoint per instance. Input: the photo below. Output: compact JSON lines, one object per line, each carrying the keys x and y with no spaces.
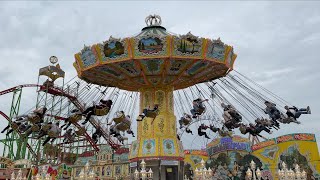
{"x":87,"y":57}
{"x":113,"y":49}
{"x":140,"y":80}
{"x":187,"y":45}
{"x":150,"y":46}
{"x":148,"y":147}
{"x":168,"y":79}
{"x":154,"y":80}
{"x":168,"y":147}
{"x":231,"y":57}
{"x":196,"y":67}
{"x":177,"y":66}
{"x":152,"y":66}
{"x":213,"y":70}
{"x":216,"y":50}
{"x":110,"y":71}
{"x":129,"y":68}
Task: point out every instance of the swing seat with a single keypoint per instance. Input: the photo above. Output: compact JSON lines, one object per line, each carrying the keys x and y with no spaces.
{"x":224,"y":133}
{"x":101,"y":111}
{"x":75,"y":118}
{"x":80,"y":132}
{"x":46,"y":127}
{"x":243,"y":130}
{"x":52,"y":134}
{"x":201,"y":110}
{"x":124,"y":126}
{"x":14,"y":126}
{"x":34,"y":119}
{"x":152,"y":114}
{"x":186,"y":121}
{"x":35,"y":128}
{"x":120,"y":119}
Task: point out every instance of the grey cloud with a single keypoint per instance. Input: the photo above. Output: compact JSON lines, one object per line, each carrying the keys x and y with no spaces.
{"x":276,"y":42}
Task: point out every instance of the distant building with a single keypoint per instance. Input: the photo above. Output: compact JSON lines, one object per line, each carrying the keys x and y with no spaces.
{"x":107,"y":165}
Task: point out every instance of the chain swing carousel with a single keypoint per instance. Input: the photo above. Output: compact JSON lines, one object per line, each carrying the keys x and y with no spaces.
{"x":155,"y":63}
{"x":183,"y":82}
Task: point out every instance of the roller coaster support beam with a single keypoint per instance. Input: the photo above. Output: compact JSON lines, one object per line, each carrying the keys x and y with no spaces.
{"x":9,"y":148}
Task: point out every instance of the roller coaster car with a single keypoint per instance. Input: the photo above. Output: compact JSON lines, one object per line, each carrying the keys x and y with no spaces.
{"x":124,"y":125}
{"x":75,"y":118}
{"x":34,"y":119}
{"x":152,"y":113}
{"x":35,"y":128}
{"x":101,"y":111}
{"x":119,"y":118}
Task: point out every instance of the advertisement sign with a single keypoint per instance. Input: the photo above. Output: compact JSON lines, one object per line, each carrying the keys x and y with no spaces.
{"x":169,"y":163}
{"x":133,"y":164}
{"x":285,"y":138}
{"x":227,"y":144}
{"x":196,"y":152}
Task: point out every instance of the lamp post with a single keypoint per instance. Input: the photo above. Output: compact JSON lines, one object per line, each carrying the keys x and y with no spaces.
{"x":253,"y":173}
{"x":18,"y":177}
{"x":203,"y":173}
{"x":285,"y":174}
{"x":144,"y":174}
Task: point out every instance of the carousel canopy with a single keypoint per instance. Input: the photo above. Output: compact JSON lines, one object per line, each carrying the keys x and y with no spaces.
{"x":154,"y":58}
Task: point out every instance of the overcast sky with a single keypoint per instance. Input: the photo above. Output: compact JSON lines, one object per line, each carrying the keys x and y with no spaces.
{"x":276,"y":42}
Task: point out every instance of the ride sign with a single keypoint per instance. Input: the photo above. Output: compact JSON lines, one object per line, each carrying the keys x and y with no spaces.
{"x":227,"y":144}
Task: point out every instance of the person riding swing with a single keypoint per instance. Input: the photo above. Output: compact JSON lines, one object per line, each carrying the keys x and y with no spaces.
{"x":231,"y":116}
{"x":99,"y":110}
{"x":198,"y":107}
{"x":203,"y":133}
{"x":53,"y":133}
{"x":293,"y":113}
{"x":151,"y":113}
{"x":75,"y":116}
{"x":96,"y":135}
{"x":185,"y":120}
{"x":273,"y":112}
{"x":120,"y":116}
{"x":68,"y":136}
